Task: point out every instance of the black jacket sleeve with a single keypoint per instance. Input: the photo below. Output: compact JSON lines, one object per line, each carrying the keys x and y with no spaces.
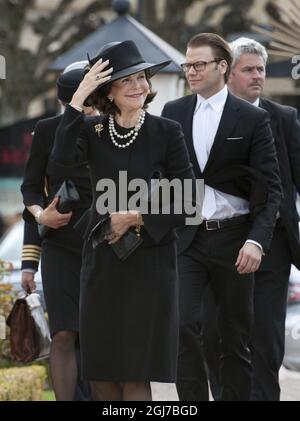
{"x":293,"y":146}
{"x":31,"y":247}
{"x":33,"y":184}
{"x":263,"y":158}
{"x":71,"y":141}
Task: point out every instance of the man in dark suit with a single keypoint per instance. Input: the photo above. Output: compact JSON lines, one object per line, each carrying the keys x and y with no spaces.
{"x":247,"y":81}
{"x":232,"y":149}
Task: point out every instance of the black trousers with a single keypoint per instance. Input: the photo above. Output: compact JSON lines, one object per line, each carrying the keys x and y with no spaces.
{"x":270,"y":299}
{"x":267,"y":342}
{"x":211,"y":260}
{"x":210,"y":342}
{"x":200,"y":342}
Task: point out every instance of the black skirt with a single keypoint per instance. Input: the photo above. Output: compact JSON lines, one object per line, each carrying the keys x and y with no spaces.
{"x":129,"y":314}
{"x":61,"y":284}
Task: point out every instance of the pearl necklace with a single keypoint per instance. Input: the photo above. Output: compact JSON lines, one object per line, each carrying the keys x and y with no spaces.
{"x":133,"y":132}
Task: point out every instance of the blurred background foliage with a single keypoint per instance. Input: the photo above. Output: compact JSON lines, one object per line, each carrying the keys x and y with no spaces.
{"x":53,"y":27}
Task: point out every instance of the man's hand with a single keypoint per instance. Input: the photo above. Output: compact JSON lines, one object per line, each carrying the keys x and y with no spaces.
{"x":249,"y":259}
{"x":27,"y":282}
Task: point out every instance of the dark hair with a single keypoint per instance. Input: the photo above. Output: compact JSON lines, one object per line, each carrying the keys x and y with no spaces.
{"x":220,"y":47}
{"x":100,"y":101}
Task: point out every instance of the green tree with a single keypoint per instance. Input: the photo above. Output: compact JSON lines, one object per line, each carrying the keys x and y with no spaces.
{"x":26,"y":67}
{"x":177,"y":32}
{"x":61,"y":27}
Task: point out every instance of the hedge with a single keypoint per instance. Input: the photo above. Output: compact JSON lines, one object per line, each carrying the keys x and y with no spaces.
{"x":7,"y":298}
{"x":22,"y":383}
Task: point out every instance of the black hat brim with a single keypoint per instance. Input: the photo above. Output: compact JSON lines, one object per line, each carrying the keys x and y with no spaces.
{"x":149,"y":68}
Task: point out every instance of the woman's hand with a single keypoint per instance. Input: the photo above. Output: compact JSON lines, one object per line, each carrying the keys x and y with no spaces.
{"x":94,"y":78}
{"x":52,"y":218}
{"x":27,"y":282}
{"x":120,"y":223}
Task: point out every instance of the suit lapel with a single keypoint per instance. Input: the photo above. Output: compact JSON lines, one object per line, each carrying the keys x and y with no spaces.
{"x":187,"y":126}
{"x":227,"y":123}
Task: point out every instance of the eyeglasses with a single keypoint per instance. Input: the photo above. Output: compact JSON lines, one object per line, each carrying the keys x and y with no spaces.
{"x":200,"y":66}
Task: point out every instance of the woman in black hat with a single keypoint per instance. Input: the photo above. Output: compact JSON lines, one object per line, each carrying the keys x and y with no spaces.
{"x":61,"y":248}
{"x":128,"y":308}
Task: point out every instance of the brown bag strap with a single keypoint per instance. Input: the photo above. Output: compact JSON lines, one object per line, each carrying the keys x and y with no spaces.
{"x":46,"y":186}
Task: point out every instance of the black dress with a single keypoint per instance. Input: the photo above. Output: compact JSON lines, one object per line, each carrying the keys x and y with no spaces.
{"x":62,"y":248}
{"x":129,"y":309}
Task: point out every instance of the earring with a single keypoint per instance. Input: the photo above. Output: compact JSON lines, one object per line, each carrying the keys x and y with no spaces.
{"x":110,"y":99}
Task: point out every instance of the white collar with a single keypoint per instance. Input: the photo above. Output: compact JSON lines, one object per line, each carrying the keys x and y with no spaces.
{"x":216,"y":101}
{"x":256,"y":102}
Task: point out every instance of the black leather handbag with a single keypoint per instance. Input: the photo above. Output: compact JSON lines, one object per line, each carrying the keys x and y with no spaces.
{"x":123,"y":247}
{"x":68,"y":198}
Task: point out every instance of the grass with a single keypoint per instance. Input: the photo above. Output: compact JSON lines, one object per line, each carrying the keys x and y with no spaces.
{"x":48,"y":395}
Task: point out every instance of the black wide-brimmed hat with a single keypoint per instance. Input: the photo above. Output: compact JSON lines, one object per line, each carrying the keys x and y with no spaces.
{"x":67,"y":84}
{"x":126,"y":60}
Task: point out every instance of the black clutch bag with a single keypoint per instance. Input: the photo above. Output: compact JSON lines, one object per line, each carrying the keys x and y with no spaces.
{"x":126,"y":244}
{"x":68,"y":198}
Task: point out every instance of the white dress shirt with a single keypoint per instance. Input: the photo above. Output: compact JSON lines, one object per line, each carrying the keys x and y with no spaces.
{"x":207,"y":116}
{"x":206,"y":120}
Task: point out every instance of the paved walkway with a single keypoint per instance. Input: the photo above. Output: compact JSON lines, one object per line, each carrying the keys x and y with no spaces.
{"x":289,"y":381}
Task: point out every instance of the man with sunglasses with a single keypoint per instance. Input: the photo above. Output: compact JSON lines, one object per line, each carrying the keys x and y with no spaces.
{"x":232,"y":149}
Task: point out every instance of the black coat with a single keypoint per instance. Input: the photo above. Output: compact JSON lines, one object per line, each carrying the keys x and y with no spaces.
{"x":286,"y":131}
{"x":162,"y":137}
{"x":246,"y":167}
{"x":43,"y":177}
{"x":129,"y":318}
